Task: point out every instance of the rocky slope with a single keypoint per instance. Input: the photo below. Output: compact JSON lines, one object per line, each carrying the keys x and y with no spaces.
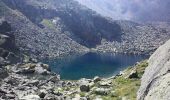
{"x":155,"y":81}
{"x":33,"y":40}
{"x":80,"y":23}
{"x":59,"y":27}
{"x":138,"y":38}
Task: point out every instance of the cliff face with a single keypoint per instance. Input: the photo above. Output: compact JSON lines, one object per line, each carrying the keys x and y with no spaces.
{"x":156,"y":79}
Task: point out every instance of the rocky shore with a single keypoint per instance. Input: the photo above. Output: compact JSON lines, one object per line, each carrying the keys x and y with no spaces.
{"x":32,"y":80}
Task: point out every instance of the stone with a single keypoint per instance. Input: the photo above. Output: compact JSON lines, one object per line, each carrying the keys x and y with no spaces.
{"x":31,"y":97}
{"x":10,"y":96}
{"x":42,"y":93}
{"x":25,"y":71}
{"x":84,"y":81}
{"x":50,"y":97}
{"x":96,"y":79}
{"x":44,"y":66}
{"x":40,"y":70}
{"x":102,"y":91}
{"x":54,"y":79}
{"x":105,"y":83}
{"x":2,"y":91}
{"x":91,"y":84}
{"x":33,"y":83}
{"x":133,"y":74}
{"x":29,"y":66}
{"x":84,"y":88}
{"x":57,"y":92}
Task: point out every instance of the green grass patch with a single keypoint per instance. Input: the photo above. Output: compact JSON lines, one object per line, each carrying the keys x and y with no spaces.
{"x":48,"y":23}
{"x":124,"y":87}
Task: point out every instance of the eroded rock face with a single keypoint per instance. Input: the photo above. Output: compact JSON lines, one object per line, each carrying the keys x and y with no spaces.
{"x":155,"y":83}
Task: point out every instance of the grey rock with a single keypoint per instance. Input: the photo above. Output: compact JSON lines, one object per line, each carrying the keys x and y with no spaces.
{"x":42,"y":71}
{"x":105,"y":83}
{"x":102,"y":91}
{"x":96,"y":79}
{"x":30,"y":97}
{"x":42,"y":93}
{"x":133,"y":74}
{"x":84,"y":88}
{"x":3,"y":91}
{"x":54,"y":79}
{"x":25,"y":71}
{"x":10,"y":96}
{"x":155,"y":81}
{"x":57,"y":93}
{"x":84,"y":81}
{"x":33,"y":83}
{"x":50,"y":97}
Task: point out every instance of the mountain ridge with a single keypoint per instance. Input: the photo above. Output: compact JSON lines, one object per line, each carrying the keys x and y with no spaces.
{"x":53,"y":23}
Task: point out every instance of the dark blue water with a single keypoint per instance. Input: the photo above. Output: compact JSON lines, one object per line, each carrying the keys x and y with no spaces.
{"x":92,"y":64}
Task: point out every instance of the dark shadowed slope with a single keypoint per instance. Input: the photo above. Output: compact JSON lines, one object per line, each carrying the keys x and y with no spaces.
{"x":75,"y":20}
{"x":37,"y":41}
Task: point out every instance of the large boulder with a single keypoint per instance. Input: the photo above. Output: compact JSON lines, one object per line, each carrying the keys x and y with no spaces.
{"x":155,"y":83}
{"x":84,"y":88}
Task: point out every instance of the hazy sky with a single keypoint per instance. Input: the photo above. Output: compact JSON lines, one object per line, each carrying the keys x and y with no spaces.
{"x":140,"y":10}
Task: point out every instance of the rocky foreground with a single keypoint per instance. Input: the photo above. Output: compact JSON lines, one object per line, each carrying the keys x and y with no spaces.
{"x":31,"y":80}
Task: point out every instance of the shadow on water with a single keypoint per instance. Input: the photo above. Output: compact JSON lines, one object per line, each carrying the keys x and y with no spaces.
{"x":92,"y":64}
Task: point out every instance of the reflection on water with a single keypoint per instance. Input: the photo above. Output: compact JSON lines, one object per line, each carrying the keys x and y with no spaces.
{"x":92,"y":64}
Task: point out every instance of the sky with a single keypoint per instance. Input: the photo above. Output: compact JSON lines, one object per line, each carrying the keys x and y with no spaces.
{"x":138,"y":10}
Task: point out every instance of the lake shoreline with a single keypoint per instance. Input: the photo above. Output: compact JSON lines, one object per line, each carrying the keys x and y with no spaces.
{"x":43,"y":83}
{"x":92,"y":64}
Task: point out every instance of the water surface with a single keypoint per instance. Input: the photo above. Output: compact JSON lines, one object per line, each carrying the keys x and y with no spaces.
{"x":92,"y":64}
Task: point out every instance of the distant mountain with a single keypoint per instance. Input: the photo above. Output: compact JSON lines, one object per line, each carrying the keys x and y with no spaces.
{"x":59,"y":27}
{"x":135,"y":10}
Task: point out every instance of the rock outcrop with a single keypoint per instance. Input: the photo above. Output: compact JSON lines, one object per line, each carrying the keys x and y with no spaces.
{"x":155,"y":83}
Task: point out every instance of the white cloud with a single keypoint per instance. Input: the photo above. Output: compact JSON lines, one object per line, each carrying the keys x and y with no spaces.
{"x":143,"y":10}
